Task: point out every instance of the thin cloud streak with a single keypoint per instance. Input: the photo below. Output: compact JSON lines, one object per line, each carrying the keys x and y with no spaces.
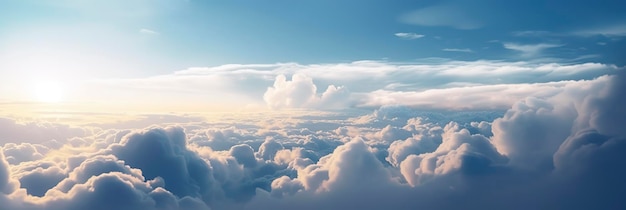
{"x":529,"y":50}
{"x":148,"y":31}
{"x":465,"y":50}
{"x":409,"y":36}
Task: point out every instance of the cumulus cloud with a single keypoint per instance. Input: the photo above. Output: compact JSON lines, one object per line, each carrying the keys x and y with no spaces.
{"x":459,"y":151}
{"x":528,"y":157}
{"x":7,"y":185}
{"x":163,"y":153}
{"x":301,"y":92}
{"x":17,"y":153}
{"x":269,"y":148}
{"x":426,"y":138}
{"x":581,"y":152}
{"x":38,"y":177}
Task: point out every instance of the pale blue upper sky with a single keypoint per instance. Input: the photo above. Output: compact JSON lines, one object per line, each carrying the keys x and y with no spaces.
{"x":140,"y":37}
{"x":480,"y":104}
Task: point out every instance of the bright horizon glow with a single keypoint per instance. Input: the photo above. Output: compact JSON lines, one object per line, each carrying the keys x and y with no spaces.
{"x":48,"y":92}
{"x":261,"y":105}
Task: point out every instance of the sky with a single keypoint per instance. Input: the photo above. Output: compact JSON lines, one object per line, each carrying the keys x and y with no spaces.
{"x":73,"y":46}
{"x":276,"y":104}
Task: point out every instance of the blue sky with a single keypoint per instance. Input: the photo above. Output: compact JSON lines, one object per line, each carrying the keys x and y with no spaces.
{"x":296,"y":104}
{"x":75,"y":48}
{"x":152,"y":37}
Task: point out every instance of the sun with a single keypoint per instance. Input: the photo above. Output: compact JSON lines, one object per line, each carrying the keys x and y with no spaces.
{"x":48,"y":91}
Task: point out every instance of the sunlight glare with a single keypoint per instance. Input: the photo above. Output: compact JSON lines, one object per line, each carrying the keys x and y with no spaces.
{"x":48,"y":91}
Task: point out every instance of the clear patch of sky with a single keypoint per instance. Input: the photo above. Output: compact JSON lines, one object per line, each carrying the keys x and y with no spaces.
{"x":209,"y":33}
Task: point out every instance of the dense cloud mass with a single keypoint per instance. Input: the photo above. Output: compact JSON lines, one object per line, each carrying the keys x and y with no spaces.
{"x":301,"y":92}
{"x":433,"y":84}
{"x":38,"y":132}
{"x":559,"y":150}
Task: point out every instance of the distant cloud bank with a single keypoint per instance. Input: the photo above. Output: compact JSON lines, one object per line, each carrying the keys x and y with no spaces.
{"x":476,"y":85}
{"x":394,"y":157}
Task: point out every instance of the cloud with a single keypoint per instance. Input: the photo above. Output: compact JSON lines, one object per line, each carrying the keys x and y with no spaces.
{"x":529,"y":50}
{"x":37,"y":177}
{"x":231,"y":87}
{"x":23,"y":152}
{"x":607,"y":31}
{"x":532,"y":33}
{"x":442,"y":15}
{"x":610,"y":31}
{"x":481,"y":97}
{"x":458,"y":149}
{"x":426,"y":139}
{"x":148,"y":31}
{"x":370,"y":75}
{"x":269,"y":148}
{"x":409,"y":35}
{"x":300,"y":92}
{"x":395,"y":157}
{"x":163,"y":153}
{"x":466,"y":166}
{"x":533,"y":149}
{"x":45,"y":133}
{"x":7,"y":184}
{"x":465,"y":50}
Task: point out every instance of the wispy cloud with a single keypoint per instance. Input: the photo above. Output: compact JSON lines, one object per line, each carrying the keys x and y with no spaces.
{"x":409,"y":35}
{"x":465,"y":50}
{"x":148,"y":31}
{"x":608,"y":31}
{"x":531,"y":33}
{"x":477,"y":97}
{"x":611,"y":31}
{"x":442,"y":15}
{"x":529,"y":50}
{"x":319,"y":86}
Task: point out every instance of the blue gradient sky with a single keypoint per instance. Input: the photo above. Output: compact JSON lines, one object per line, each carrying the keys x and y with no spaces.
{"x":152,"y":37}
{"x":325,"y":104}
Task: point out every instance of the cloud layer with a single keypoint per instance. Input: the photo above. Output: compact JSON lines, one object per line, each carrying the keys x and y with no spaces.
{"x":529,"y":157}
{"x":293,"y":85}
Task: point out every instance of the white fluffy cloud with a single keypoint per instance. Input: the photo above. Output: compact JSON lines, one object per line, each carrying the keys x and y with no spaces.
{"x":301,"y":92}
{"x":17,"y":153}
{"x":396,"y":157}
